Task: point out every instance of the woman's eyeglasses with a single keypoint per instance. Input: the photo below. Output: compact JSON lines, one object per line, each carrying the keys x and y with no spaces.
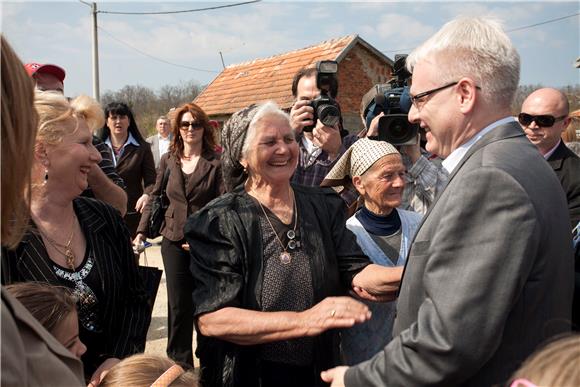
{"x":184,"y":125}
{"x":543,"y":121}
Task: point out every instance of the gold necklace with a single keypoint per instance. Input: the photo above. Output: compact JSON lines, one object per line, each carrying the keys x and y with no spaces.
{"x":68,"y":253}
{"x":285,"y":257}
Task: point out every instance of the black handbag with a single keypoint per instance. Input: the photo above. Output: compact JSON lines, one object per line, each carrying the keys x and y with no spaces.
{"x":159,"y":205}
{"x":151,"y":277}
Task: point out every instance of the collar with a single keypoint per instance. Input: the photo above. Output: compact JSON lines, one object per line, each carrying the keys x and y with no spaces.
{"x":168,"y":138}
{"x":455,"y":157}
{"x":551,"y":151}
{"x":130,"y":140}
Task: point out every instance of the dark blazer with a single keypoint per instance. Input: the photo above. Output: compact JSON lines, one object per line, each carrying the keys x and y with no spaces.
{"x":204,"y":185}
{"x":137,"y":169}
{"x":125,"y":311}
{"x":566,"y":164}
{"x":489,"y":274}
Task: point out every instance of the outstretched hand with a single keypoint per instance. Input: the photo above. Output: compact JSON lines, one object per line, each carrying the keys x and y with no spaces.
{"x":334,"y":312}
{"x":335,"y":376}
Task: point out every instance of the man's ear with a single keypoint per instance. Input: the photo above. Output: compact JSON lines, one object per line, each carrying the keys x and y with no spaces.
{"x":467,"y":90}
{"x":565,"y":123}
{"x":40,"y":154}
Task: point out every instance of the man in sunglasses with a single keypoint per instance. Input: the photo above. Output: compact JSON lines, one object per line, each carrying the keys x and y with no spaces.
{"x":544,"y":117}
{"x":489,"y":274}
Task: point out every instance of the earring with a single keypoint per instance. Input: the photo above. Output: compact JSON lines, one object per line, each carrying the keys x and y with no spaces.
{"x":45,"y":176}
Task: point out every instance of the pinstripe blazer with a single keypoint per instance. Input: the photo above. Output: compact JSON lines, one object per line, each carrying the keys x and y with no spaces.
{"x":125,"y":312}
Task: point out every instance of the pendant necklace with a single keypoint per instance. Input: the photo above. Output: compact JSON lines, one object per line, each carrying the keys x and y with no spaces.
{"x":285,"y":257}
{"x":63,"y":249}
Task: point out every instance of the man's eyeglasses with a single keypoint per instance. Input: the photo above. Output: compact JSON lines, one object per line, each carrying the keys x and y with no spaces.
{"x":543,"y":120}
{"x":417,"y":99}
{"x":184,"y":125}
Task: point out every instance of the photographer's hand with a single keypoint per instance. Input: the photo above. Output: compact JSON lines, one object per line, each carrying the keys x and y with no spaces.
{"x":301,"y":115}
{"x":373,"y":131}
{"x":327,"y":138}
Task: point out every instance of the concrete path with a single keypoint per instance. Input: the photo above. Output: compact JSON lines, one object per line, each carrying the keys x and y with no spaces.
{"x":157,"y":335}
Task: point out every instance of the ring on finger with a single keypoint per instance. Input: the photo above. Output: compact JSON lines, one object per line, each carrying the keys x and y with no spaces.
{"x":332,"y":313}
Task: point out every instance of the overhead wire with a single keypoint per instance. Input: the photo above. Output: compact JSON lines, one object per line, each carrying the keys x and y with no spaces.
{"x":181,"y":11}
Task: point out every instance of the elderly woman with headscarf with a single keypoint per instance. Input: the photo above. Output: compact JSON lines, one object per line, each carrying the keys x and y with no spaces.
{"x":383,"y":232}
{"x":272,"y":262}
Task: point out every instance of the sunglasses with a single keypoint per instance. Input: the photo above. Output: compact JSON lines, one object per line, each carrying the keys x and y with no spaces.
{"x":543,"y":121}
{"x":184,"y":125}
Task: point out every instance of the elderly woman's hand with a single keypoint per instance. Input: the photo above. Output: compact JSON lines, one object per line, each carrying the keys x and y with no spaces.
{"x":377,"y":283}
{"x":334,"y":312}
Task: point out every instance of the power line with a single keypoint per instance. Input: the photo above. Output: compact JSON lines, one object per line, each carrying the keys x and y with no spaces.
{"x":183,"y":11}
{"x":153,"y":57}
{"x":512,"y":30}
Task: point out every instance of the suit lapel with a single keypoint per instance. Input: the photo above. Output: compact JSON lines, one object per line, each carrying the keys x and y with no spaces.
{"x":129,"y":150}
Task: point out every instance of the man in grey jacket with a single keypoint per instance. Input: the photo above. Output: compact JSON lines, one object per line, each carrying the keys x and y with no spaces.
{"x":489,"y":275}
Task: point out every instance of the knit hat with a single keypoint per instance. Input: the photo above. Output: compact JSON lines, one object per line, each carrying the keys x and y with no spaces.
{"x":232,"y":138}
{"x":357,"y":160}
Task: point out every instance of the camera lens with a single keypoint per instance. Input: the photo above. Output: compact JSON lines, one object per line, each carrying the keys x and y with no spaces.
{"x":328,"y":115}
{"x":398,"y":129}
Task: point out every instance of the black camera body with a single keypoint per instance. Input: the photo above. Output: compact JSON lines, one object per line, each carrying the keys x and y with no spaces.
{"x":394,"y":101}
{"x":326,"y":109}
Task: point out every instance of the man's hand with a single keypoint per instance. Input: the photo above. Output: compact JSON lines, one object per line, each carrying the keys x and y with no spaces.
{"x":335,"y":376}
{"x":301,"y":115}
{"x":373,"y":130}
{"x":328,"y":139}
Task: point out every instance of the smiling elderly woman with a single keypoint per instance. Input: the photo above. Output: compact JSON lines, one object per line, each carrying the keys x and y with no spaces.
{"x":272,"y":263}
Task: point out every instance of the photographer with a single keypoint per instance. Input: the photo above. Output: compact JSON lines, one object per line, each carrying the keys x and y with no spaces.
{"x":320,"y":146}
{"x":381,"y":107}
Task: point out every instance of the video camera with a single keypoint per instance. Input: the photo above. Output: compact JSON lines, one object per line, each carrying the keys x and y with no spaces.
{"x":326,"y":109}
{"x":394,"y":101}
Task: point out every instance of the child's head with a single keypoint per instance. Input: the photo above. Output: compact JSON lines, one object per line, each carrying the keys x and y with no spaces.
{"x":148,"y":370}
{"x":55,"y":308}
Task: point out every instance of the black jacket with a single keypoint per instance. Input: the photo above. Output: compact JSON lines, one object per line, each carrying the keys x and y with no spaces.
{"x":566,"y":164}
{"x":227,"y":265}
{"x":125,"y":313}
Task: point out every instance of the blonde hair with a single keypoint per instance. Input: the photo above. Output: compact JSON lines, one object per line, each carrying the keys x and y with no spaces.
{"x":57,"y":116}
{"x":19,"y":124}
{"x":143,"y":370}
{"x":571,"y":132}
{"x":49,"y":304}
{"x":556,"y":364}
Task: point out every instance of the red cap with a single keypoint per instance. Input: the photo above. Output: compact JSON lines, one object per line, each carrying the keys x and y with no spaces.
{"x":33,"y":68}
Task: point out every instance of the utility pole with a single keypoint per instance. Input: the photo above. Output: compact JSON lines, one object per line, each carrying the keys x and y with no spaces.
{"x":221,"y":56}
{"x":96,"y":93}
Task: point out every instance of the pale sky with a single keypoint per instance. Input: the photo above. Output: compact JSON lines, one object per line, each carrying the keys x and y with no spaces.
{"x":61,"y":33}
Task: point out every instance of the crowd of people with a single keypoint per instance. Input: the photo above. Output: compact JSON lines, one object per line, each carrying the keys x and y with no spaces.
{"x":292,"y":247}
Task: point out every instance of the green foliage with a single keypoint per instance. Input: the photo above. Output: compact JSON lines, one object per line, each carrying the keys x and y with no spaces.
{"x":148,"y":105}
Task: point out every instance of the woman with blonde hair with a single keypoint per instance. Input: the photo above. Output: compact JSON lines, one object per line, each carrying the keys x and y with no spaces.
{"x":24,"y":340}
{"x":77,"y":242}
{"x":556,"y":364}
{"x":149,"y":370}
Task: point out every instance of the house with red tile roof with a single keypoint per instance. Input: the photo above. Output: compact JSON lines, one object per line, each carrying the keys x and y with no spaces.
{"x":360,"y":66}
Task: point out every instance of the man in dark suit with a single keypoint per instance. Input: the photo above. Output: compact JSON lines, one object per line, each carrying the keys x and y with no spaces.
{"x":544,"y":117}
{"x":489,"y":275}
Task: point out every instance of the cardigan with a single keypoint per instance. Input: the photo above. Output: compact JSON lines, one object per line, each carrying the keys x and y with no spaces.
{"x":125,"y":312}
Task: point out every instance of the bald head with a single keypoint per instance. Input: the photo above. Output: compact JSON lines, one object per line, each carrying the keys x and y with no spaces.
{"x":546,"y":102}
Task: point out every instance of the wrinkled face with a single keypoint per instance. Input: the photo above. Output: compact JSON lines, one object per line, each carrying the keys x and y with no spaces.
{"x":118,"y":124}
{"x":273,"y":153}
{"x":46,"y":81}
{"x":545,"y":138}
{"x":382,"y":185}
{"x":162,"y":127}
{"x":70,"y":161}
{"x":437,"y":113}
{"x":67,"y":333}
{"x":190,"y":130}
